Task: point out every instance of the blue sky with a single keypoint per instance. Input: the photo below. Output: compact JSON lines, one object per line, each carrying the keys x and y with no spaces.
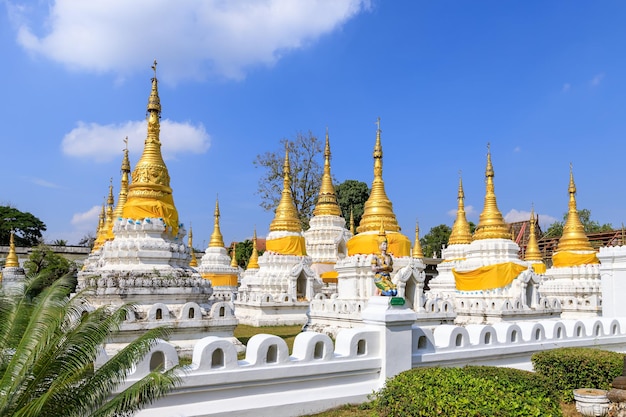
{"x":542,"y":81}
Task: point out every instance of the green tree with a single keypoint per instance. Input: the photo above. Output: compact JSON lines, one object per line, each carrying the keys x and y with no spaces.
{"x":88,"y":240}
{"x":27,"y":227}
{"x":352,"y":195}
{"x":435,"y":239}
{"x":59,"y":242}
{"x":305,"y":154}
{"x":49,"y":266}
{"x":590,"y":226}
{"x":244,"y":251}
{"x":49,"y":345}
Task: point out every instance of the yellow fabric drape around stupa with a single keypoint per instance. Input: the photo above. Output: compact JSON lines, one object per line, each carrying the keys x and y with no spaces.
{"x":222,"y":280}
{"x":138,"y":209}
{"x":329,"y":277}
{"x":487,"y":277}
{"x":366,"y":243}
{"x":565,"y":258}
{"x":539,"y":268}
{"x":288,"y":245}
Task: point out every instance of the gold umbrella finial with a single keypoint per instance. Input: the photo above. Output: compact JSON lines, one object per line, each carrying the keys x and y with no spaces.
{"x":574,"y":237}
{"x":217,"y":240}
{"x":286,"y":217}
{"x":461,"y":233}
{"x":327,"y":204}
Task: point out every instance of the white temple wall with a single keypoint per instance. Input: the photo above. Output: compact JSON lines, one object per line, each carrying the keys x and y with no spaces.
{"x":613,"y":277}
{"x":319,"y":376}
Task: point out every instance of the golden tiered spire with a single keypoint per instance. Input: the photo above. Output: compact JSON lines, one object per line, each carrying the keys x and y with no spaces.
{"x":286,"y":218}
{"x":193,"y":261}
{"x":491,"y":224}
{"x":11,"y":260}
{"x":108,"y":223}
{"x":149,"y":194}
{"x":123,"y":195}
{"x":417,"y":247}
{"x":351,"y":221}
{"x":460,"y":229}
{"x":100,"y":230}
{"x":233,"y":259}
{"x":532,"y":248}
{"x":378,"y":207}
{"x":327,"y":204}
{"x":217,"y":241}
{"x":253,"y":262}
{"x":574,"y":237}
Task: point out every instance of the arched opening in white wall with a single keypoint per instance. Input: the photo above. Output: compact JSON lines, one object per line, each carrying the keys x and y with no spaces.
{"x":157,"y":361}
{"x":487,"y":338}
{"x":318,"y":352}
{"x":459,"y":340}
{"x":222,"y":311}
{"x":159,"y":314}
{"x":272,"y":354}
{"x":514,"y":336}
{"x":192,"y":313}
{"x":217,"y":358}
{"x":361,"y":347}
{"x":421,"y":342}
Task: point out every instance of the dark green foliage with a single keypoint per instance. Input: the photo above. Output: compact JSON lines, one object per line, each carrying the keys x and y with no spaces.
{"x":49,"y":266}
{"x":435,"y":239}
{"x":27,"y":227}
{"x":572,"y":368}
{"x":470,"y":391}
{"x":244,"y":251}
{"x":591,"y":226}
{"x":352,"y":195}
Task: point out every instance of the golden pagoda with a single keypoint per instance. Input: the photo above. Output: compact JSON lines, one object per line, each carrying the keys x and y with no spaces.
{"x":327,"y":204}
{"x":491,"y":224}
{"x":533,"y":254}
{"x":285,"y":236}
{"x":100,"y":231}
{"x":217,"y":241}
{"x":11,"y":260}
{"x":574,"y":247}
{"x":149,"y":194}
{"x":253,"y":262}
{"x":378,"y":209}
{"x":123,"y":194}
{"x":417,"y":247}
{"x":193,"y":261}
{"x":352,"y":222}
{"x":460,"y":234}
{"x":233,"y":259}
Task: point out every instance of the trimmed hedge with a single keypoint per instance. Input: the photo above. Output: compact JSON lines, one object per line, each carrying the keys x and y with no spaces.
{"x":471,"y":391}
{"x":572,"y":368}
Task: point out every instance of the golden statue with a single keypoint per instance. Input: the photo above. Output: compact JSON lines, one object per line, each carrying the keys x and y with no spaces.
{"x":382,"y":265}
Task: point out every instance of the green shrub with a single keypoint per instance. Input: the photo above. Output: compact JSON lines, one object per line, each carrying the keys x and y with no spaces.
{"x":572,"y":368}
{"x":470,"y":391}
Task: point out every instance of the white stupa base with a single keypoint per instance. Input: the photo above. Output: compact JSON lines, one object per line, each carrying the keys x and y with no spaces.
{"x":578,"y":288}
{"x":326,"y":241}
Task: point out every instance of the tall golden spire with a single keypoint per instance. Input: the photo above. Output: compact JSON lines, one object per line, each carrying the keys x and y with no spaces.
{"x":351,"y":221}
{"x":253,"y":262}
{"x":108,"y":222}
{"x":100,"y":231}
{"x":286,"y":218}
{"x":460,"y":229}
{"x":574,"y":237}
{"x":417,"y":247}
{"x":327,"y":204}
{"x":123,"y":194}
{"x":378,"y":207}
{"x":532,"y":248}
{"x":491,"y":224}
{"x":11,"y":260}
{"x":233,"y":259}
{"x":217,"y":241}
{"x":149,"y":194}
{"x":193,"y":261}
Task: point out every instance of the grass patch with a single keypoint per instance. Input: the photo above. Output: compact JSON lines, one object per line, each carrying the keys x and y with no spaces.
{"x":287,"y":333}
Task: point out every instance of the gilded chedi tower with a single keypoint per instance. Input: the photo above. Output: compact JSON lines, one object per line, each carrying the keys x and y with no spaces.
{"x":13,"y":276}
{"x":147,"y":261}
{"x":492,"y":282}
{"x":532,"y":254}
{"x":574,"y":277}
{"x":327,"y":236}
{"x":216,"y":266}
{"x":279,"y":292}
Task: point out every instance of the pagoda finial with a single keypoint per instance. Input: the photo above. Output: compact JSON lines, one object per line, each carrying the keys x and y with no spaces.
{"x":150,"y":194}
{"x":491,"y":224}
{"x":233,"y":254}
{"x":253,"y":262}
{"x":351,"y":221}
{"x":532,"y":248}
{"x":417,"y":247}
{"x":217,"y":241}
{"x":11,"y":260}
{"x":286,"y":217}
{"x":100,"y":231}
{"x":378,"y":207}
{"x":574,"y":237}
{"x":461,"y":233}
{"x":193,"y":262}
{"x":327,"y":204}
{"x":123,"y":194}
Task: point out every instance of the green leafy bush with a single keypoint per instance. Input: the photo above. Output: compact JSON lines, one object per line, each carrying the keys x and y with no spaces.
{"x":470,"y":391}
{"x":572,"y":368}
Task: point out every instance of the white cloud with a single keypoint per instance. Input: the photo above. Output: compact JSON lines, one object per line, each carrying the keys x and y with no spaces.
{"x":519,"y":216}
{"x":595,"y":81}
{"x":566,"y":87}
{"x":88,"y":218}
{"x":191,"y":38}
{"x":103,"y":143}
{"x":42,"y":183}
{"x":469,"y":211}
{"x":517,"y":149}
